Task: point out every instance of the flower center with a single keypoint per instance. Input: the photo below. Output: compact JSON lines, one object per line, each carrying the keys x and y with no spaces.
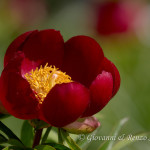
{"x":42,"y":80}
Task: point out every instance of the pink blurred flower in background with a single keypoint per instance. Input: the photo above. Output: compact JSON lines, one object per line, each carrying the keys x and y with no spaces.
{"x":116,"y":17}
{"x":28,"y":12}
{"x":142,"y":25}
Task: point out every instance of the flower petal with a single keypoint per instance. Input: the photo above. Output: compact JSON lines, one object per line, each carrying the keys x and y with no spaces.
{"x":28,"y":65}
{"x":46,"y":46}
{"x":112,"y":18}
{"x":108,"y":66}
{"x":65,"y":103}
{"x":101,"y":92}
{"x":16,"y":94}
{"x":2,"y":108}
{"x":15,"y":46}
{"x":82,"y":57}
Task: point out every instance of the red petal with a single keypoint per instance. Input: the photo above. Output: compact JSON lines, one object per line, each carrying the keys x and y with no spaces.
{"x":27,"y":66}
{"x":82,"y":58}
{"x":65,"y":103}
{"x":112,"y":18}
{"x":15,"y":46}
{"x":108,"y":66}
{"x":101,"y":92}
{"x":16,"y":94}
{"x":45,"y":46}
{"x":14,"y":64}
{"x":2,"y":108}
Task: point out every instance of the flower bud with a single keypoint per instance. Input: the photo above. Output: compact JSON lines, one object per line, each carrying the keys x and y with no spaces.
{"x":83,"y":125}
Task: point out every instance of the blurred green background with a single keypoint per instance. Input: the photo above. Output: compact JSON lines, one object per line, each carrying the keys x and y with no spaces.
{"x":130,"y":52}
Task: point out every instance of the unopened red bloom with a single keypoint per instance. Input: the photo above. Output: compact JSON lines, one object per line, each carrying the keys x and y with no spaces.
{"x":32,"y":86}
{"x":116,"y":17}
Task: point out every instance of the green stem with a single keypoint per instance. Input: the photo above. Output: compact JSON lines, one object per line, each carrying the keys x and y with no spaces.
{"x":37,"y":137}
{"x":72,"y":144}
{"x":46,"y":135}
{"x":60,"y":139}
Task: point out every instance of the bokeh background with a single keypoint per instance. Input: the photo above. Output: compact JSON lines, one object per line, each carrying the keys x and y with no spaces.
{"x":121,"y":27}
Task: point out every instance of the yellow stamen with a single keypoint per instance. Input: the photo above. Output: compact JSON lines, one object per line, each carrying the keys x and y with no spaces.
{"x":42,"y":80}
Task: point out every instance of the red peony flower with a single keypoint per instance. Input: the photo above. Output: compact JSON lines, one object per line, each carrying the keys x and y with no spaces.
{"x":116,"y":17}
{"x":32,"y":86}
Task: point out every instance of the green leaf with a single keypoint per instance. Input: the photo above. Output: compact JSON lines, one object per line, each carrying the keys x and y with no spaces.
{"x":44,"y":147}
{"x":3,"y":139}
{"x":12,"y":148}
{"x":126,"y":141}
{"x":2,"y":116}
{"x":9,"y":133}
{"x":16,"y":148}
{"x":107,"y":145}
{"x":27,"y":134}
{"x":10,"y":141}
{"x":58,"y":146}
{"x":15,"y":142}
{"x":72,"y":144}
{"x":2,"y":147}
{"x":46,"y":135}
{"x":60,"y":138}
